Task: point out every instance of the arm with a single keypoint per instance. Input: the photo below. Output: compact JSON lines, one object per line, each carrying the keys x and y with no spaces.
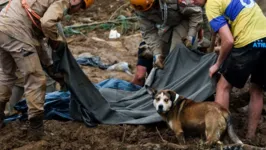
{"x":227,"y":42}
{"x":51,"y":17}
{"x":218,"y":23}
{"x":150,"y":35}
{"x":45,"y":53}
{"x":195,"y":16}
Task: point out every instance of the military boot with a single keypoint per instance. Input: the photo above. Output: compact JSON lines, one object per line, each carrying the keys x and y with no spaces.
{"x":2,"y":114}
{"x":36,"y":129}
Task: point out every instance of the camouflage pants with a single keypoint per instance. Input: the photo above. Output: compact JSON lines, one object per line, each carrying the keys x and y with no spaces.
{"x":15,"y":55}
{"x":18,"y":92}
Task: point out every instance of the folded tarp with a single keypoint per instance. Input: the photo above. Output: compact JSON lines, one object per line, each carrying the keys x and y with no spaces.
{"x":185,"y":72}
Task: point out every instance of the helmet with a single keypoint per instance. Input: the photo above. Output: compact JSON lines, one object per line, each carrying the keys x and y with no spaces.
{"x":88,"y":3}
{"x":142,"y":5}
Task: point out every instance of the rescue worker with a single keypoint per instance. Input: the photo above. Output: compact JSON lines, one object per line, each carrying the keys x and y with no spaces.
{"x":241,"y":27}
{"x":164,"y":24}
{"x":262,"y":4}
{"x":18,"y":88}
{"x":23,"y":23}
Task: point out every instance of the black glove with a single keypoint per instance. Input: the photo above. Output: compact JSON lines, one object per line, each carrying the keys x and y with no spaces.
{"x":57,"y":76}
{"x":54,"y":44}
{"x":144,"y":51}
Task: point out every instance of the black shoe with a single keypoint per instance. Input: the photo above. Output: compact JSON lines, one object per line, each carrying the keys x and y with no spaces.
{"x":36,"y":129}
{"x":2,"y":114}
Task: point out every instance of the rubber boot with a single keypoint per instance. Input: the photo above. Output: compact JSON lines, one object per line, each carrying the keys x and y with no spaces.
{"x":2,"y":114}
{"x":36,"y":129}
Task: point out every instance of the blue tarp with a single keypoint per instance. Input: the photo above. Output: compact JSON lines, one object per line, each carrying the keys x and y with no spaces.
{"x":118,"y":84}
{"x":57,"y":103}
{"x":94,"y":61}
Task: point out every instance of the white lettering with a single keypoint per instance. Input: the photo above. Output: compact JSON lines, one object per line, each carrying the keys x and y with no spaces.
{"x":250,"y":5}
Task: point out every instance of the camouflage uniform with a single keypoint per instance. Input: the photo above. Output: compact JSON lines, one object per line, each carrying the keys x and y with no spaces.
{"x":180,"y":23}
{"x":18,"y":89}
{"x":19,"y":48}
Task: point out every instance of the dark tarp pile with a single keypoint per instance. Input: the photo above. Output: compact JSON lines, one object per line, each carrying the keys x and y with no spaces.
{"x":185,"y":72}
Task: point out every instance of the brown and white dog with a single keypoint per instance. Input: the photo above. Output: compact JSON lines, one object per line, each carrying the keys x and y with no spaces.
{"x":181,"y":114}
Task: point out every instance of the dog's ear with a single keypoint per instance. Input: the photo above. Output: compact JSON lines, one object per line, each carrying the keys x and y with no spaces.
{"x":151,"y":91}
{"x":172,"y":95}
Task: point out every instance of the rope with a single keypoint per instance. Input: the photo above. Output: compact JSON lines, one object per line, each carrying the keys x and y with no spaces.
{"x":31,"y":13}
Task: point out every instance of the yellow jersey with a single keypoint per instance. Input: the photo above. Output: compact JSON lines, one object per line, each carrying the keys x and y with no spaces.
{"x":244,"y":17}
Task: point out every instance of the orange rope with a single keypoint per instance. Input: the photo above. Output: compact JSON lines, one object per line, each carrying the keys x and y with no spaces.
{"x":8,"y":5}
{"x":31,"y":13}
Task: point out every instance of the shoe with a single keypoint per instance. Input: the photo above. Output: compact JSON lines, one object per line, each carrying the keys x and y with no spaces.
{"x":2,"y":114}
{"x":36,"y":128}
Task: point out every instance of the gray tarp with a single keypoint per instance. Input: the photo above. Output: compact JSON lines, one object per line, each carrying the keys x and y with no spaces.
{"x":185,"y":72}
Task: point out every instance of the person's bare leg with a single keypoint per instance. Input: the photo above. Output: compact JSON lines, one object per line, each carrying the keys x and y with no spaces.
{"x":139,"y":77}
{"x":223,"y":92}
{"x":255,"y":109}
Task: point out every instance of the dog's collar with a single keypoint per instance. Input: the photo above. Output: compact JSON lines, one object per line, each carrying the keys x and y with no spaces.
{"x":176,"y":98}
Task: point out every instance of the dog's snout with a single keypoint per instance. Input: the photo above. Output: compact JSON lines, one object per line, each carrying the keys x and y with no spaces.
{"x":160,"y":107}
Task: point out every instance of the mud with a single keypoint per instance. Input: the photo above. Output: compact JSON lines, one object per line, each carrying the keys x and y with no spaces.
{"x":75,"y":135}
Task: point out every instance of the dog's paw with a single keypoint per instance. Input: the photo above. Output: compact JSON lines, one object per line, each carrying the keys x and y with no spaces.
{"x":180,"y":138}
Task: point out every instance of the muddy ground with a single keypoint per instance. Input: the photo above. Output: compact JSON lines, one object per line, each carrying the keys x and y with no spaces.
{"x":74,"y":135}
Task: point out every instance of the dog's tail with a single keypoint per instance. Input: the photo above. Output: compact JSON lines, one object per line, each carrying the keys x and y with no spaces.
{"x":231,"y":131}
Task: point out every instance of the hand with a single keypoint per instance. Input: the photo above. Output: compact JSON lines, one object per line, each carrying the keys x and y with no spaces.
{"x":188,"y":41}
{"x":59,"y":77}
{"x":214,"y":68}
{"x":145,"y":52}
{"x":53,"y":44}
{"x":158,"y":61}
{"x":200,"y":35}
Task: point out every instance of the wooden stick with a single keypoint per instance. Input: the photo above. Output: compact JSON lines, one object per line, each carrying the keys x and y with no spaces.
{"x":124,"y":134}
{"x":171,"y":145}
{"x":118,"y":10}
{"x":101,"y":22}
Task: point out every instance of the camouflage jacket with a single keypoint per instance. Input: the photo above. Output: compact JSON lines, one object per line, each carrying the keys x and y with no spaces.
{"x":151,"y":22}
{"x":15,"y":22}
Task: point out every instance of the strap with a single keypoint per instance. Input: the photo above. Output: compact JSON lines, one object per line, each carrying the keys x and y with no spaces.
{"x":8,"y":5}
{"x":31,"y":13}
{"x":164,"y":11}
{"x":176,"y":98}
{"x":26,"y":6}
